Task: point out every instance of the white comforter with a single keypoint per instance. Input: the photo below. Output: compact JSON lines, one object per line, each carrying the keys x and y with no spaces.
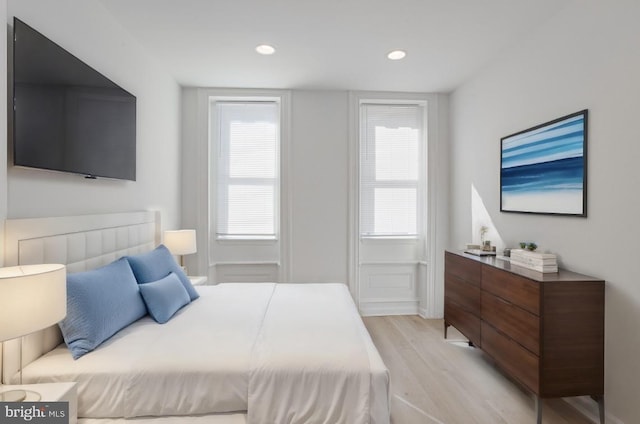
{"x":294,"y":353}
{"x":310,"y":361}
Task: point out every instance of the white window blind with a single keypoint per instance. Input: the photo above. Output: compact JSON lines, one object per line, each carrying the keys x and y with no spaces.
{"x":248,"y":164}
{"x":391,"y":170}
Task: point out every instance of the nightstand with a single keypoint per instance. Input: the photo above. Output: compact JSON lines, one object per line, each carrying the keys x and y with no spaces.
{"x":51,"y":392}
{"x":198,"y":280}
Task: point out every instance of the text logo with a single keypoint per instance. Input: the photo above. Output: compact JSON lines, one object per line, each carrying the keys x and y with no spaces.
{"x":34,"y":412}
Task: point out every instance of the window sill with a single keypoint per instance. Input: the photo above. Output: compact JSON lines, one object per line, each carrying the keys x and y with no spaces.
{"x":391,"y":239}
{"x":246,"y":240}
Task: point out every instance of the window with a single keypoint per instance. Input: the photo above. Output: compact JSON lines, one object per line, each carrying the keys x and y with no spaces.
{"x":247,"y":183}
{"x":392,"y":169}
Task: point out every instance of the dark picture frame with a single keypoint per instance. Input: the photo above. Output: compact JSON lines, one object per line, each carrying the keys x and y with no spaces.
{"x":543,"y":169}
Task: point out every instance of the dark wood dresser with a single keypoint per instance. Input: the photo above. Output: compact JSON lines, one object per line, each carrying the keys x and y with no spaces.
{"x":545,"y":330}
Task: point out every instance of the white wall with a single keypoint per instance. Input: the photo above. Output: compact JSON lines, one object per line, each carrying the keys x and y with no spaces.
{"x":85,"y":28}
{"x":193,"y":183}
{"x":320,"y":189}
{"x":585,"y":57}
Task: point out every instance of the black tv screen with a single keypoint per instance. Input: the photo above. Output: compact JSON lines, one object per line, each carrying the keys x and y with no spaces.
{"x":66,"y":115}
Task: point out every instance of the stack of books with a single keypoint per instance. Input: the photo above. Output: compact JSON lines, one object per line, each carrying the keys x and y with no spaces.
{"x":541,"y":262}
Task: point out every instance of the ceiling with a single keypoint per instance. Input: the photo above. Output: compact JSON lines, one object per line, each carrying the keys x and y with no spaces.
{"x":329,"y":44}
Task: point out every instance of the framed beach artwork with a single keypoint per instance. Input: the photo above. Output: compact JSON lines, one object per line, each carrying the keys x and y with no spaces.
{"x":543,"y":170}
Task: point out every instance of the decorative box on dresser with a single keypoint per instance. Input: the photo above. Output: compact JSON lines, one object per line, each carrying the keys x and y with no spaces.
{"x":545,"y":330}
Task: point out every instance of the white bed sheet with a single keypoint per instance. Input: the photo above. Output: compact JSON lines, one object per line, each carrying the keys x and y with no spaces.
{"x":310,"y":363}
{"x":196,"y":363}
{"x":233,"y":418}
{"x":291,"y":353}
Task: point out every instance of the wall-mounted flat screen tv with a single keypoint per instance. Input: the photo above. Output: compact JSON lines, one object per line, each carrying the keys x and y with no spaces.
{"x":66,"y":115}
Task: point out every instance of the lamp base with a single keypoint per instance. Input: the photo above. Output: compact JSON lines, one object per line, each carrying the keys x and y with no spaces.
{"x":19,"y":396}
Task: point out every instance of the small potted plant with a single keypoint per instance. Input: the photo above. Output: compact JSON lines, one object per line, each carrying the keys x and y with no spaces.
{"x":483,"y":230}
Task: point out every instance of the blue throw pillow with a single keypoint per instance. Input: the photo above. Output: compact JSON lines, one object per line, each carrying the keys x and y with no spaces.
{"x":99,"y":304}
{"x":157,"y":264}
{"x":164,"y":297}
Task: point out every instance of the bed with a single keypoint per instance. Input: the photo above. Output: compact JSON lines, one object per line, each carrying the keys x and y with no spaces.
{"x":241,"y":353}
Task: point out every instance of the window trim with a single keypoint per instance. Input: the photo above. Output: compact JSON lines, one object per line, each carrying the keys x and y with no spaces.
{"x":435,"y":207}
{"x":222,"y":251}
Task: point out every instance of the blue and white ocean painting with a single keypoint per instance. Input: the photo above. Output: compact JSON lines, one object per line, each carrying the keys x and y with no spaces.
{"x":543,"y":169}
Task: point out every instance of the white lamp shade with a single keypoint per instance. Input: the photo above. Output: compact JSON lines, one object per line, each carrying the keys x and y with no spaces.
{"x":32,"y":297}
{"x":180,"y":242}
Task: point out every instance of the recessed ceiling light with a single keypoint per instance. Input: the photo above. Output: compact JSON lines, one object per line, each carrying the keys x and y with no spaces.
{"x":397,"y":55}
{"x":265,"y":49}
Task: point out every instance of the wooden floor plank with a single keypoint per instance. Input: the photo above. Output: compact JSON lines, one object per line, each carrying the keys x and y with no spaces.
{"x":437,"y":381}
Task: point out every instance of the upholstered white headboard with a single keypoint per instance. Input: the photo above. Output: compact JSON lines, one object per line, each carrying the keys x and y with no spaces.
{"x":81,"y":243}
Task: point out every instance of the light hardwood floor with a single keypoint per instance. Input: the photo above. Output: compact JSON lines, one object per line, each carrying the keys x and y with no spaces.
{"x":434,"y":381}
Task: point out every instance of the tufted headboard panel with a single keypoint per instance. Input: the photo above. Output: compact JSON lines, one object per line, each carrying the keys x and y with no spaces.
{"x":81,"y":243}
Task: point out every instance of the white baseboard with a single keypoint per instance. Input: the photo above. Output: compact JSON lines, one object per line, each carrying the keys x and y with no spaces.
{"x":377,"y":308}
{"x":424,"y":313}
{"x":589,"y":408}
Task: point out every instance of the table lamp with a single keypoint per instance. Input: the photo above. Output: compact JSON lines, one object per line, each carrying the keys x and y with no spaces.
{"x":32,"y":297}
{"x":180,"y":243}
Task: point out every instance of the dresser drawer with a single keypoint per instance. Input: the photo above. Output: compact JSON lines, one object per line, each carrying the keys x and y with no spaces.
{"x":464,"y":294}
{"x":464,"y":321}
{"x":513,"y":288}
{"x":464,"y":268}
{"x":516,"y":360}
{"x":512,"y":320}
